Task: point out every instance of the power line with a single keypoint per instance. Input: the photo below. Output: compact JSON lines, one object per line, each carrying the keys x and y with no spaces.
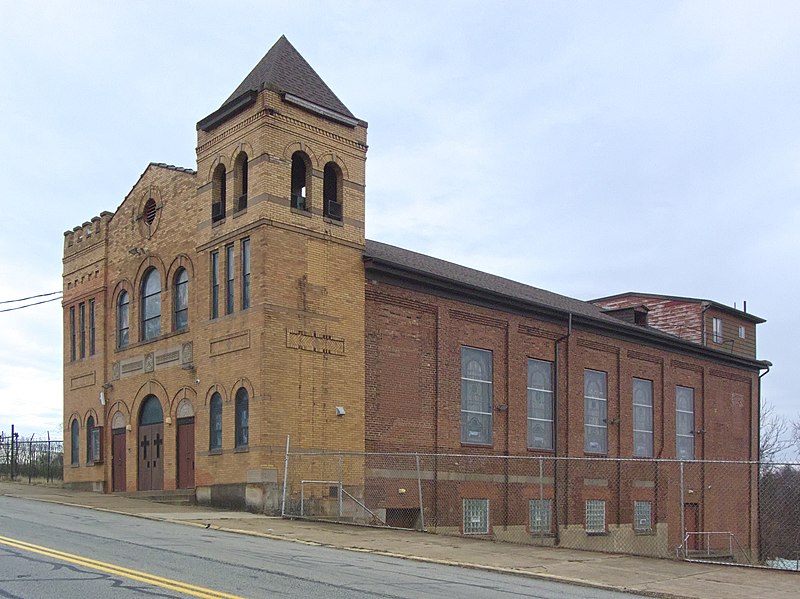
{"x":23,"y":299}
{"x":52,"y":299}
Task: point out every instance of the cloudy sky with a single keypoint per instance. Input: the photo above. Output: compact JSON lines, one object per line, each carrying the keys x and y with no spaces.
{"x":588,"y":148}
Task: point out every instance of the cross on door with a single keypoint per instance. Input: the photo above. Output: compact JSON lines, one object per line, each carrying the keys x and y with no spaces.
{"x":144,"y":444}
{"x":157,"y":444}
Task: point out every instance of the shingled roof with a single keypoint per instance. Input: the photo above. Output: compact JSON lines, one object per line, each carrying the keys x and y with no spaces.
{"x":283,"y":70}
{"x":431,"y":274}
{"x":478,"y":280}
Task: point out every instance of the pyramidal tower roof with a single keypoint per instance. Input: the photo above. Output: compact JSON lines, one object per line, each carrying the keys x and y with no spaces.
{"x":283,"y":70}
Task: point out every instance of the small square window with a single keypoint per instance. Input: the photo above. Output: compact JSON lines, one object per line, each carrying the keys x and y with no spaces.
{"x":540,"y":515}
{"x":642,"y":516}
{"x":595,"y":516}
{"x":476,"y":516}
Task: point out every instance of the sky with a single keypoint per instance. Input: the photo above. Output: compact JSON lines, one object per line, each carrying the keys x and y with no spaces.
{"x":587,"y":148}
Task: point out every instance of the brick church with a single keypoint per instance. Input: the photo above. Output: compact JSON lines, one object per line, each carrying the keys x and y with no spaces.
{"x":219,"y":310}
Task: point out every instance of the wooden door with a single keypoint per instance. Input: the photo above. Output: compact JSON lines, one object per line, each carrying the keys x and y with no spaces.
{"x":691,"y":520}
{"x":151,"y":453}
{"x":118,"y":451}
{"x":186,"y":453}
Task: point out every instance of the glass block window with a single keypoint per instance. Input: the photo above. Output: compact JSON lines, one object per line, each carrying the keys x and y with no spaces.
{"x":476,"y":396}
{"x":642,"y":418}
{"x":476,"y":516}
{"x":642,"y":516}
{"x":540,"y":404}
{"x":595,"y":515}
{"x":540,"y":515}
{"x":684,"y":422}
{"x":595,"y":411}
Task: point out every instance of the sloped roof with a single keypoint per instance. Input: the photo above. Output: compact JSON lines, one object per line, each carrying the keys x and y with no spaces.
{"x":477,"y":279}
{"x":432,"y":273}
{"x":284,"y":70}
{"x":690,"y":300}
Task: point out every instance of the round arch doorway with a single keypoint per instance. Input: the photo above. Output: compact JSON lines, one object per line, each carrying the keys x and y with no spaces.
{"x":151,"y":445}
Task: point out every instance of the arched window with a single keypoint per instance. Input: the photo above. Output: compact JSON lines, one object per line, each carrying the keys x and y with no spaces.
{"x":300,"y":181}
{"x":240,"y":178}
{"x":331,"y":191}
{"x":215,"y":422}
{"x":242,"y":417}
{"x":123,"y":322}
{"x":181,"y":299}
{"x":75,"y":433}
{"x":152,"y":412}
{"x":151,"y":304}
{"x":90,"y":457}
{"x":218,"y":194}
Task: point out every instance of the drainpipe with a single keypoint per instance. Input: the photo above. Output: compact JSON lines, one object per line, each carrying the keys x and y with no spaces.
{"x":556,"y":390}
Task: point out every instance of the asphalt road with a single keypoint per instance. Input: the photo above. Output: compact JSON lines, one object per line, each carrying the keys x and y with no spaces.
{"x":49,"y":550}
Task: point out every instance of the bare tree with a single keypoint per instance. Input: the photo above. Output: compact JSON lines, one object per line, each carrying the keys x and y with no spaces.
{"x":775,"y":438}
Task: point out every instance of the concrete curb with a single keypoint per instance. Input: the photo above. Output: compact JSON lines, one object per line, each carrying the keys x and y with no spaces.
{"x":411,"y":557}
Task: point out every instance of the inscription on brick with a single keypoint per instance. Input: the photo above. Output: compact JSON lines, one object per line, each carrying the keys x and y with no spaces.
{"x":167,"y":357}
{"x":84,"y":380}
{"x":134,"y":365}
{"x":323,"y":344}
{"x":229,"y":343}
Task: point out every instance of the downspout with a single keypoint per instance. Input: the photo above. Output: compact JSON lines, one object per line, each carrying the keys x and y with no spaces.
{"x":556,"y":390}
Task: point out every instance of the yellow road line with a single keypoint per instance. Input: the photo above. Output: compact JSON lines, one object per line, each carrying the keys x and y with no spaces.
{"x":167,"y":583}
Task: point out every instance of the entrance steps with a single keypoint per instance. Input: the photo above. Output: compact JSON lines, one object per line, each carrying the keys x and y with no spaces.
{"x":173,"y":497}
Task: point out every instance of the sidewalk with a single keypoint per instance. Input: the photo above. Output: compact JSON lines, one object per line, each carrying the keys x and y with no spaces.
{"x":647,"y":576}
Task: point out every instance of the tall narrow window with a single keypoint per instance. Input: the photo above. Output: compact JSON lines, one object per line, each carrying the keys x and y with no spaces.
{"x":72,"y":353}
{"x":240,"y":177}
{"x":123,"y":303}
{"x":476,"y":396}
{"x":91,"y":328}
{"x":299,"y":181}
{"x":89,"y":448}
{"x":151,"y":305}
{"x":540,"y":404}
{"x":716,"y":329}
{"x":684,"y":422}
{"x":229,"y":279}
{"x":242,"y":417}
{"x":215,"y":422}
{"x":215,"y":284}
{"x":74,"y":441}
{"x":181,"y":299}
{"x":595,"y":411}
{"x":82,"y":329}
{"x":331,"y":191}
{"x":218,"y":191}
{"x":245,"y":274}
{"x":642,"y":418}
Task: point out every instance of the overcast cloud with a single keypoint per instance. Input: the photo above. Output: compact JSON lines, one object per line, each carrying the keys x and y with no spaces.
{"x":588,"y":148}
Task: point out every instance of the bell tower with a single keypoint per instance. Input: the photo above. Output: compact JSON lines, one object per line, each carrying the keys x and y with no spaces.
{"x":280,"y":167}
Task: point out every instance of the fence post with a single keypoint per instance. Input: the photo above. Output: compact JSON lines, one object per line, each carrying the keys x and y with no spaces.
{"x":30,"y":459}
{"x":341,"y":458}
{"x":541,"y":498}
{"x":285,"y":478}
{"x":683,"y":517}
{"x":419,"y":489}
{"x":12,"y":459}
{"x":49,"y":459}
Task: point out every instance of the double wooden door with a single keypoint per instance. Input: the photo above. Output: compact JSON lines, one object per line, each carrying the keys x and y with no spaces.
{"x":151,"y":457}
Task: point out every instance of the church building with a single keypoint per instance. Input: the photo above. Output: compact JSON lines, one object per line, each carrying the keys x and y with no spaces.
{"x":221,"y":309}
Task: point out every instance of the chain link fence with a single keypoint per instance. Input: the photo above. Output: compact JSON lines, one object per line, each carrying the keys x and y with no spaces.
{"x":727,"y":512}
{"x":29,"y":459}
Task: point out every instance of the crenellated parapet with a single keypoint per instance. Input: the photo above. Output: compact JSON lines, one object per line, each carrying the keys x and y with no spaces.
{"x":86,"y":235}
